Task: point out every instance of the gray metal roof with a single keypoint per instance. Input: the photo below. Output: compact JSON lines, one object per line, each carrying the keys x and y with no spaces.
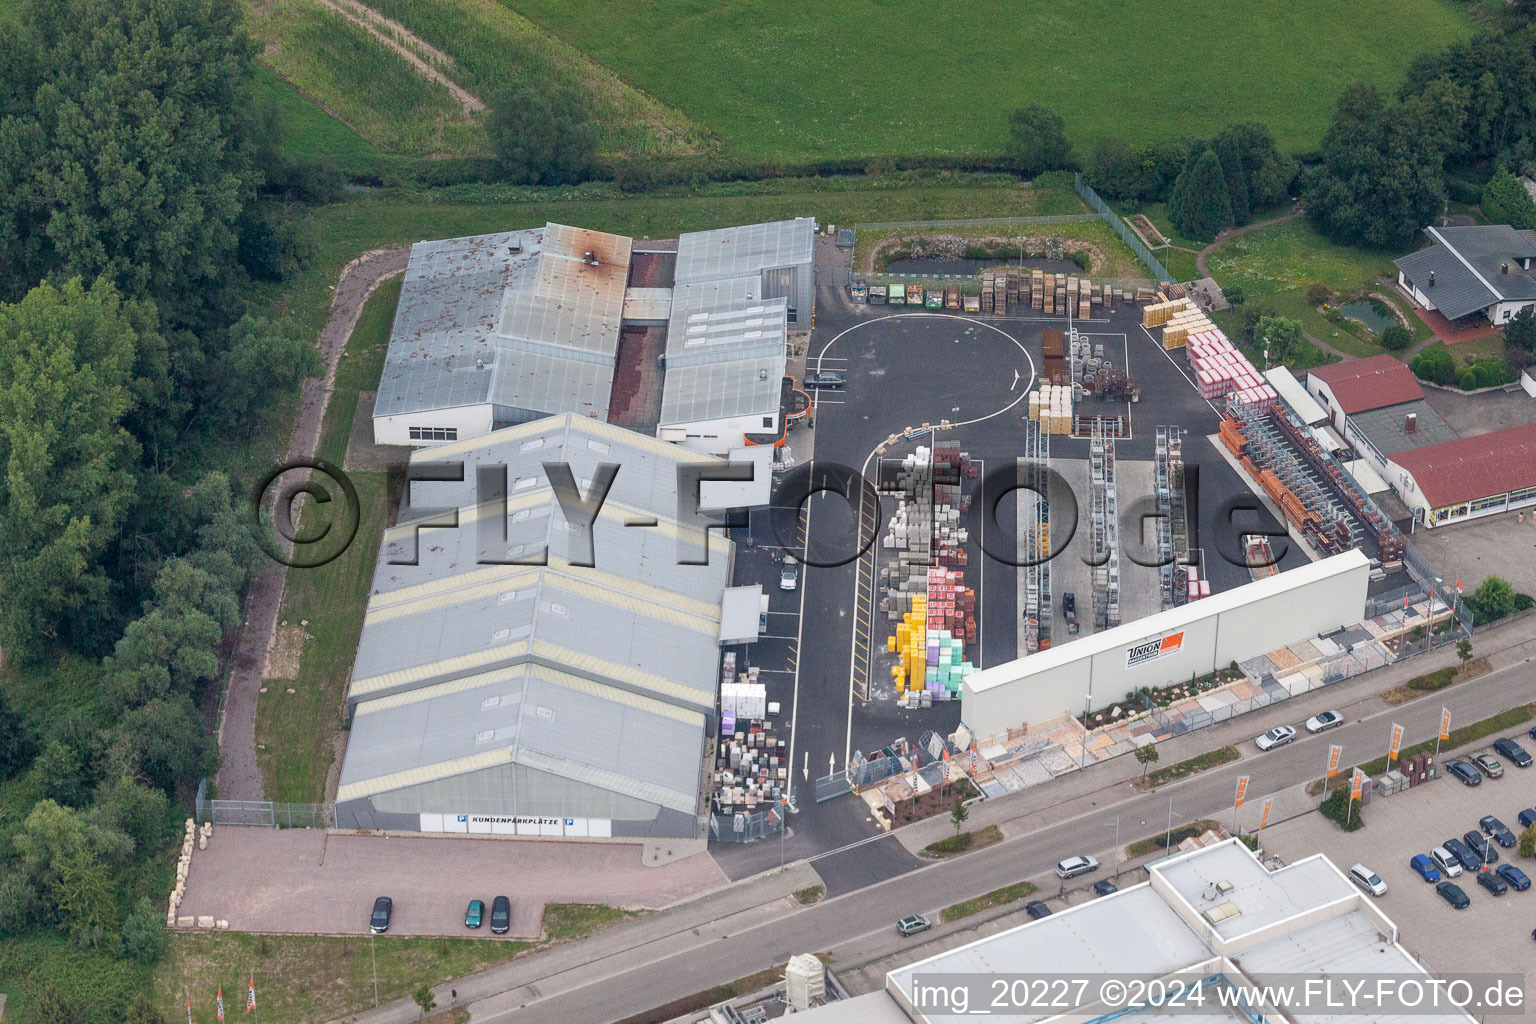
{"x":622,"y":654}
{"x":725,"y":354}
{"x":523,"y":319}
{"x":1388,"y":428}
{"x":1469,"y":267}
{"x":743,"y":251}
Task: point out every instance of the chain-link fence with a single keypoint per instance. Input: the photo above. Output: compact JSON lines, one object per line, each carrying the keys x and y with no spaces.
{"x":977,"y":222}
{"x":265,"y":813}
{"x":1108,"y":216}
{"x":745,"y":828}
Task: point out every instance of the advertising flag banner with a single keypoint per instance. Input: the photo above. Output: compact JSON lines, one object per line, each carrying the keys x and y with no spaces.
{"x":1242,"y":790}
{"x":1264,"y":818}
{"x":1397,"y":743}
{"x":1356,"y":784}
{"x":221,"y":1002}
{"x":250,"y":994}
{"x":1334,"y":753}
{"x":1445,"y":723}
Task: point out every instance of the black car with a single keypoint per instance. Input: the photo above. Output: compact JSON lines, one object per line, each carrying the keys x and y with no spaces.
{"x":1492,"y":881}
{"x":1497,"y":831}
{"x":1465,"y":857}
{"x":824,"y":380}
{"x":1452,"y":894}
{"x":1468,"y":775}
{"x":1514,"y":751}
{"x":1069,"y":604}
{"x":1036,"y":910}
{"x":1104,"y":887}
{"x":1527,"y":817}
{"x":383,"y":907}
{"x":1481,"y":848}
{"x":501,"y":915}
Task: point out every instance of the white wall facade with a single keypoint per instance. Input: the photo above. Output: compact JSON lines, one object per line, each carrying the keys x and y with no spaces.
{"x":1320,"y":390}
{"x":1160,"y":649}
{"x":1414,"y":290}
{"x":718,"y":437}
{"x":463,"y":423}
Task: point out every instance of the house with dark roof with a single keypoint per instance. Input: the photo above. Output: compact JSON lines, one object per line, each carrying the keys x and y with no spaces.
{"x":1378,"y":407}
{"x":1480,"y":268}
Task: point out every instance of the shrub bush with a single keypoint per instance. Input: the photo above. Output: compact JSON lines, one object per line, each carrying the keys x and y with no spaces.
{"x":1396,"y":337}
{"x":1319,"y":294}
{"x":1337,"y":806}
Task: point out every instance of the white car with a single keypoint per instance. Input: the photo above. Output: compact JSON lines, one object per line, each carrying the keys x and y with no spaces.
{"x":1368,"y":880}
{"x":1446,"y":861}
{"x":1074,"y":866}
{"x":1279,"y":736}
{"x":1324,"y":720}
{"x":789,"y":576}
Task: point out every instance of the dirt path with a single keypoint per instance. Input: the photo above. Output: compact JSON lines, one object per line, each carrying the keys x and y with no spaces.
{"x":1227,"y":236}
{"x":239,"y":775}
{"x":408,"y":45}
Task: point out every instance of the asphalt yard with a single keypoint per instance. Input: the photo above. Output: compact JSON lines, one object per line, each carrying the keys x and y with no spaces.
{"x":823,"y":656}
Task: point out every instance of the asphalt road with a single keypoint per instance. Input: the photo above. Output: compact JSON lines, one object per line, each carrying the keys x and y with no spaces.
{"x":862,"y":920}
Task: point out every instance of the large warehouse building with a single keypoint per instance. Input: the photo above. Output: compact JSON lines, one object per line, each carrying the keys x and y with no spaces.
{"x":503,"y":687}
{"x":1380,"y":409}
{"x":496,"y":330}
{"x":1214,"y":917}
{"x":1180,"y":643}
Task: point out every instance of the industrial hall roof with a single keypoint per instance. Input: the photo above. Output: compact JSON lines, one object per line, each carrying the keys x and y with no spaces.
{"x":504,"y":642}
{"x":1473,"y":266}
{"x":1371,"y":383}
{"x":1483,"y":466}
{"x":527,"y":320}
{"x":743,"y":251}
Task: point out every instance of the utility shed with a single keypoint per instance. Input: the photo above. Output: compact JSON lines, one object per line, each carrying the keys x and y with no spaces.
{"x":503,"y":686}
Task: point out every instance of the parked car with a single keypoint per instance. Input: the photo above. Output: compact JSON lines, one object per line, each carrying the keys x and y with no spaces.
{"x":824,"y":380}
{"x":912,"y":924}
{"x":1459,"y":769}
{"x":1481,"y":848}
{"x":1446,"y":861}
{"x":1514,"y":751}
{"x":1368,"y":880}
{"x":1036,"y":910}
{"x":1517,"y":879}
{"x":383,"y":908}
{"x":1497,"y":831}
{"x":1426,"y":868}
{"x":1463,"y":854}
{"x":1532,"y":733}
{"x":1488,"y":765}
{"x":473,"y":915}
{"x":501,"y":915}
{"x":1074,"y":866}
{"x":1069,"y":605}
{"x":789,"y":575}
{"x":1527,"y":817}
{"x":1452,"y":894}
{"x":1104,"y":887}
{"x":1279,"y":736}
{"x":1493,"y":882}
{"x":1324,"y":720}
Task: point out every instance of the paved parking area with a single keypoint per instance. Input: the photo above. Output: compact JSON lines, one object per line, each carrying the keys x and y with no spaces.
{"x":1500,"y":545}
{"x":312,"y":882}
{"x":1494,"y":933}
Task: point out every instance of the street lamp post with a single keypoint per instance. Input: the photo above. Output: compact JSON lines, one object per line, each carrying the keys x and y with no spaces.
{"x":1169,"y":837}
{"x":374,"y":957}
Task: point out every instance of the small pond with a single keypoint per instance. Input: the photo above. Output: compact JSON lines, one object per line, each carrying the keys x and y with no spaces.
{"x":1371,"y":312}
{"x":938,"y":266}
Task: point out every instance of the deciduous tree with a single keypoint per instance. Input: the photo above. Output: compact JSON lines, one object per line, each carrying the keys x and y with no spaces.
{"x":542,"y":132}
{"x":1037,"y":140}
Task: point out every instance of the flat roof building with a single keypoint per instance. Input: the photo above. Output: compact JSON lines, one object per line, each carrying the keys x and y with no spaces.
{"x":510,"y":679}
{"x":1214,"y":918}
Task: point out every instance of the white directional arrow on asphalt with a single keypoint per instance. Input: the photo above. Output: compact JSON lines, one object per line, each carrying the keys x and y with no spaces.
{"x":806,"y":770}
{"x":831,"y":764}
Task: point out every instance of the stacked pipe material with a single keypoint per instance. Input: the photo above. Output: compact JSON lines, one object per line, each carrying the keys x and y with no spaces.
{"x":1220,"y":369}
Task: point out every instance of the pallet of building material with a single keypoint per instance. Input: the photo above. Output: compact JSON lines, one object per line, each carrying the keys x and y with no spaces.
{"x":1050,"y":300}
{"x":986,"y":297}
{"x":1053,"y":343}
{"x":1072,"y":283}
{"x":1037,"y":290}
{"x":1061,"y":299}
{"x":1084,"y":308}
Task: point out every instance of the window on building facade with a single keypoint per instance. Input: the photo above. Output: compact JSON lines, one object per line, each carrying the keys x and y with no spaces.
{"x":434,"y":433}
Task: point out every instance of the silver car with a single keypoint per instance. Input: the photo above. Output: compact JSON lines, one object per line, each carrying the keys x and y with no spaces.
{"x":1279,"y":736}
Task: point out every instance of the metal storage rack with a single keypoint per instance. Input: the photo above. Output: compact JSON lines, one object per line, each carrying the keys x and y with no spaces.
{"x":1037,"y":539}
{"x":1105,"y":525}
{"x":1330,"y":526}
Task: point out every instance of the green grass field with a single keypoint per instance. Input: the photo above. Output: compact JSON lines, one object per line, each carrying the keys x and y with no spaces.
{"x":310,"y":134}
{"x":1275,"y":265}
{"x":804,"y":79}
{"x":490,"y":44}
{"x":370,"y":87}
